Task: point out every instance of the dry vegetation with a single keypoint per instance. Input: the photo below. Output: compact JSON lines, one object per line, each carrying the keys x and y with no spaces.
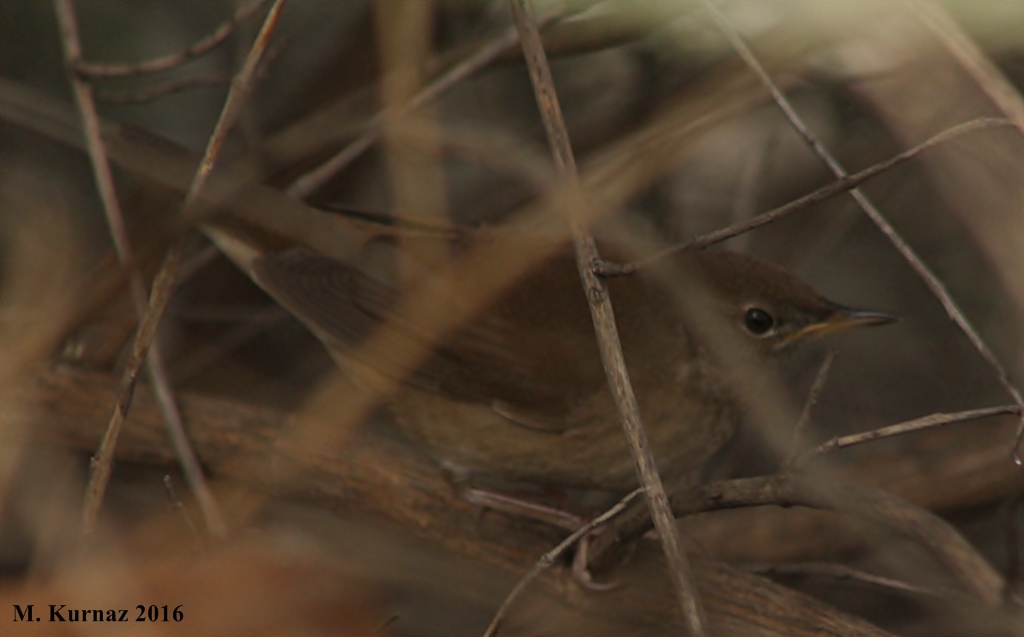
{"x":283,"y":501}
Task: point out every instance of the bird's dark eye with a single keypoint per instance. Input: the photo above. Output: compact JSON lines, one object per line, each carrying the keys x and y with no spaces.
{"x":758,"y":321}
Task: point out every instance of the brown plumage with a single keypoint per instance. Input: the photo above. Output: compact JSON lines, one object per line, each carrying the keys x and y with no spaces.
{"x":520,"y":392}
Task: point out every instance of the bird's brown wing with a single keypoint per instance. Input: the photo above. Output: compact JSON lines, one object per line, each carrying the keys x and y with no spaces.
{"x":532,"y":362}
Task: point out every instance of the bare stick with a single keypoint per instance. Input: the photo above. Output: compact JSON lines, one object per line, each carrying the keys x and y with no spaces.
{"x":549,"y":558}
{"x":241,"y":88}
{"x":1005,"y":96}
{"x":163,"y":287}
{"x":842,"y":184}
{"x":102,"y":463}
{"x":812,"y":400}
{"x":761,"y":491}
{"x":910,"y":426}
{"x":163,"y":90}
{"x":210,"y":42}
{"x":604,"y":320}
{"x":869,"y":503}
{"x":934,"y":284}
{"x":845,"y":183}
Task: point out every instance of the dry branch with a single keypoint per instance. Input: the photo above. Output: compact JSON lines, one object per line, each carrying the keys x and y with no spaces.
{"x":377,"y":478}
{"x":152,"y":357}
{"x":596,"y":288}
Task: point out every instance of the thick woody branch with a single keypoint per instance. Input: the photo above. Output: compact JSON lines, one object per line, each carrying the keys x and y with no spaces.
{"x":380,"y":479}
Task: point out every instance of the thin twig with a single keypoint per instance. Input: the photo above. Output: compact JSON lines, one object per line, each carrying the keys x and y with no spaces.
{"x":934,"y":284}
{"x":868,"y":503}
{"x":739,"y":493}
{"x":604,"y":320}
{"x":163,"y":288}
{"x":102,"y":463}
{"x":310,"y":182}
{"x":931,"y":421}
{"x":1005,"y":96}
{"x":144,"y":96}
{"x":843,"y":572}
{"x":809,"y":404}
{"x":91,"y":130}
{"x":842,"y":184}
{"x":241,"y":88}
{"x":551,"y":556}
{"x":203,"y":46}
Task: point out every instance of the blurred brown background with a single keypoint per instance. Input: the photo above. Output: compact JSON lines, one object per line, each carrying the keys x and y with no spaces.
{"x":869,"y":77}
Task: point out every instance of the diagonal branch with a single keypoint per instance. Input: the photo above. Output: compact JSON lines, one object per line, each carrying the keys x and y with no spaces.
{"x":549,"y":558}
{"x":604,"y":320}
{"x":103,"y":461}
{"x":163,"y":288}
{"x":202,"y":47}
{"x":929,"y":278}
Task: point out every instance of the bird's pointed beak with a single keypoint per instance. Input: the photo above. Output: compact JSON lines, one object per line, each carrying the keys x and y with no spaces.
{"x":843,"y":319}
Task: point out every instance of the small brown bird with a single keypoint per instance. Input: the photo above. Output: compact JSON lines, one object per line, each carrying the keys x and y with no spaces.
{"x":520,"y":392}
